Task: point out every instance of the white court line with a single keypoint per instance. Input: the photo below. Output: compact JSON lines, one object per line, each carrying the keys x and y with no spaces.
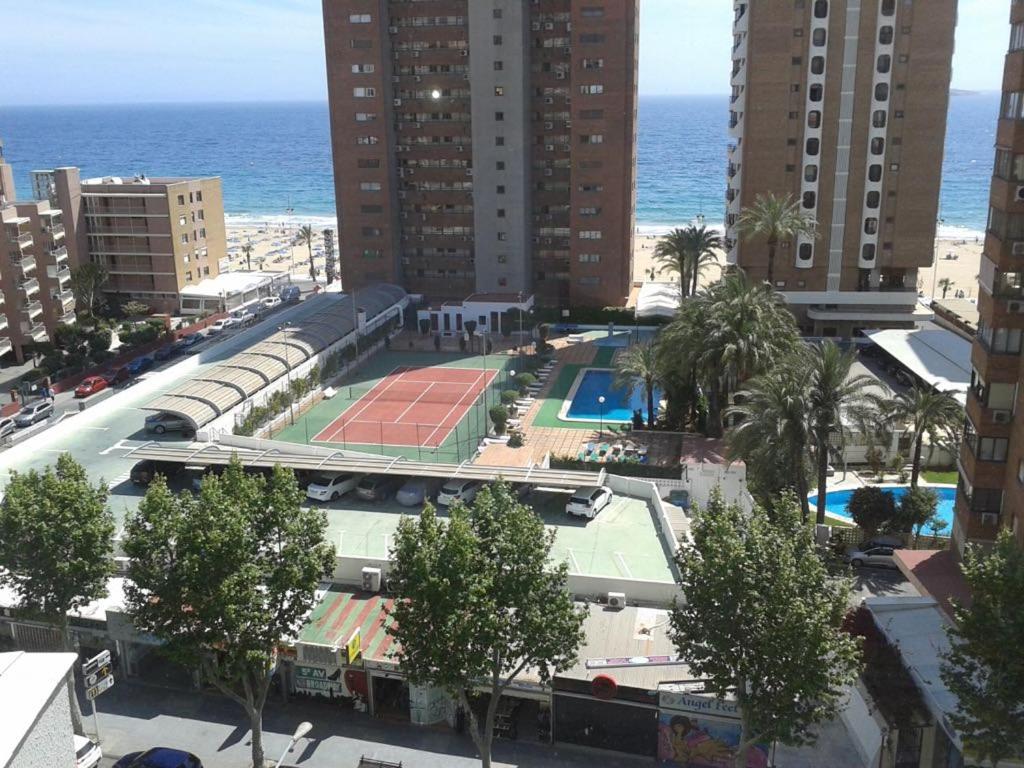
{"x":575,"y":562}
{"x":621,"y":562}
{"x":460,"y":404}
{"x":118,"y":446}
{"x":316,"y":437}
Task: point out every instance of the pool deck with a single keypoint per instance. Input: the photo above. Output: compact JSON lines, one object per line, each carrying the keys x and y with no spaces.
{"x":622,"y":541}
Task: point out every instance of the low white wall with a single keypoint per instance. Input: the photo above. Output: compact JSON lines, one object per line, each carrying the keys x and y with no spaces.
{"x":646,"y":489}
{"x":864,"y":725}
{"x":654,"y":593}
{"x":702,"y":479}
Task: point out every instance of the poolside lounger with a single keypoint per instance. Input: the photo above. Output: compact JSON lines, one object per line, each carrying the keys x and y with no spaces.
{"x":581,"y":456}
{"x":590,"y":447}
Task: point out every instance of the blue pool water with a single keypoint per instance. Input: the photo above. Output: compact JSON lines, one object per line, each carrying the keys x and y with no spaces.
{"x":620,"y":338}
{"x":619,"y":403}
{"x":837,"y":501}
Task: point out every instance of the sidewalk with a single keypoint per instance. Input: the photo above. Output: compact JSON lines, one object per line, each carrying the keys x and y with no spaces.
{"x":135,"y":716}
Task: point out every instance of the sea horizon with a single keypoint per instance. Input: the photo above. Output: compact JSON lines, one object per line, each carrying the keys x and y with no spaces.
{"x":274,"y":157}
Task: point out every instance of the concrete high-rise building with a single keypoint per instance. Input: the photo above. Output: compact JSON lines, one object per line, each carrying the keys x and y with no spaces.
{"x":991,"y":489}
{"x":485,"y":146}
{"x":153,"y":236}
{"x":841,"y":104}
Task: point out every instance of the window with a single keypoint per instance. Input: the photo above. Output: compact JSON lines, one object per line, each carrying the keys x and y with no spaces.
{"x":814,"y":119}
{"x":371,"y":208}
{"x":499,"y":141}
{"x":591,"y":114}
{"x":371,"y":232}
{"x":590,"y":211}
{"x":884,"y":63}
{"x":500,"y":189}
{"x":589,"y":90}
{"x":499,"y":165}
{"x":1013,"y":102}
{"x":882,"y":92}
{"x":1017,"y":36}
{"x":496,"y":39}
{"x":369,"y":186}
{"x":184,"y":237}
{"x":366,"y":140}
{"x":888,"y":7}
{"x":873,"y":200}
{"x":199,"y":196}
{"x":590,"y":234}
{"x":499,"y":90}
{"x":591,"y":187}
{"x":805,"y":251}
{"x":590,"y":280}
{"x":365,"y":117}
{"x":810,"y":173}
{"x":592,"y":12}
{"x":360,"y":18}
{"x":499,"y":116}
{"x":499,"y":66}
{"x":877,"y":145}
{"x":592,"y":138}
{"x":181,"y":199}
{"x":878,"y":118}
{"x":593,"y":63}
{"x":364,"y":93}
{"x":867,"y":253}
{"x":885,"y":35}
{"x":362,"y":69}
{"x":503,"y":236}
{"x":821,"y":9}
{"x":810,"y":199}
{"x":816,"y":92}
{"x":1001,"y":341}
{"x":813,"y":147}
{"x":871,"y":226}
{"x":819,"y":36}
{"x":875,"y":172}
{"x":590,"y":258}
{"x":817,"y":65}
{"x":368,"y":162}
{"x":501,"y":213}
{"x":371,"y":253}
{"x":181,"y":221}
{"x":591,"y":39}
{"x":362,"y":44}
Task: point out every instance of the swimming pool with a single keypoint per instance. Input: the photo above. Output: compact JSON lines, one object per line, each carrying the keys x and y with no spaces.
{"x":619,"y":403}
{"x":837,"y":501}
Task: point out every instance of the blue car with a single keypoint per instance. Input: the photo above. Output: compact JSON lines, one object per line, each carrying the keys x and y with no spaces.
{"x":159,"y":757}
{"x":185,"y":343}
{"x":139,"y":364}
{"x":164,"y":353}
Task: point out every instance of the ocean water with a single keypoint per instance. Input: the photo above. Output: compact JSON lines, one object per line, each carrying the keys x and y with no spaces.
{"x":275,"y":159}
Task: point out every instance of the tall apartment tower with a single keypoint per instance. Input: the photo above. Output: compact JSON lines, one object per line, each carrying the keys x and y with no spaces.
{"x":841,"y":104}
{"x":485,"y":146}
{"x":991,"y":488}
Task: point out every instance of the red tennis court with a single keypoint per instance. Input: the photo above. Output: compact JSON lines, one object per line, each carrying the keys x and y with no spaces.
{"x":410,"y":407}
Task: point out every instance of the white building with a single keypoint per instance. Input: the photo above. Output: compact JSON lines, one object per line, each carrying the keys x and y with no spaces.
{"x":35,"y":711}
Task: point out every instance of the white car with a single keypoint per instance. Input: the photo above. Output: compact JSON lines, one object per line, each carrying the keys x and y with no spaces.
{"x":587,"y":502}
{"x":87,"y":752}
{"x":331,"y":487}
{"x":271,"y":302}
{"x":222,"y":325}
{"x":458,"y":490}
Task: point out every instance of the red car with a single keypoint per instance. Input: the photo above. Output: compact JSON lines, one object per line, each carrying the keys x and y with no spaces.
{"x":90,"y":386}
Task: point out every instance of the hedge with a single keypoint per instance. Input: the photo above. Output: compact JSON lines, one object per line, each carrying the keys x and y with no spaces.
{"x":626,"y":469}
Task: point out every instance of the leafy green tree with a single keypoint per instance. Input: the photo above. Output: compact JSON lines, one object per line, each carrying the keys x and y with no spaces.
{"x":872,"y":509}
{"x":688,"y":253}
{"x":638,"y":364}
{"x":306,"y":236}
{"x":135,"y":309}
{"x":224,"y":576}
{"x":983,"y":668}
{"x":87,"y":281}
{"x":478,"y":602}
{"x":915,"y":510}
{"x":66,"y":336}
{"x":775,"y":218}
{"x":928,"y":412}
{"x":761,"y":621}
{"x":56,"y":545}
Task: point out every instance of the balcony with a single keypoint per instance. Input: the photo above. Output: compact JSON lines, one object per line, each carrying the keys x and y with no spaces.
{"x":30,"y":286}
{"x":56,"y":231}
{"x":26,"y":263}
{"x":3,"y":321}
{"x":31,"y":309}
{"x":5,"y":345}
{"x":23,"y":241}
{"x":69,"y":318}
{"x":58,"y":273}
{"x":66,"y":299}
{"x":59,"y":255}
{"x":34,"y":331}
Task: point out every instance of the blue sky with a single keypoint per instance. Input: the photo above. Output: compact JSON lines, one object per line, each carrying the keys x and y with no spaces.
{"x":132,"y":51}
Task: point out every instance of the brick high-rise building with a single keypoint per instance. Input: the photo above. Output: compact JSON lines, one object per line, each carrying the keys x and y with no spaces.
{"x":991,"y":488}
{"x":485,"y":146}
{"x":842,"y":105}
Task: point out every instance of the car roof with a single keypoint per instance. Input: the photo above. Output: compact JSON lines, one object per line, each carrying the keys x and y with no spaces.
{"x":162,"y":757}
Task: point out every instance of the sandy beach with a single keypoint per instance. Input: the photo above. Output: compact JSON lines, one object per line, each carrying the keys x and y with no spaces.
{"x":274,"y":249}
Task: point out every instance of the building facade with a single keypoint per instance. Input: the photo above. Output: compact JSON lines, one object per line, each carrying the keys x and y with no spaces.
{"x":991,"y":488}
{"x":484,"y":147}
{"x":841,"y":105}
{"x":153,"y":236}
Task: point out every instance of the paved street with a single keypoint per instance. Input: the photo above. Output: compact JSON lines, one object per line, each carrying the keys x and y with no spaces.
{"x":880,"y":582}
{"x":101,"y":436}
{"x":134,"y":717}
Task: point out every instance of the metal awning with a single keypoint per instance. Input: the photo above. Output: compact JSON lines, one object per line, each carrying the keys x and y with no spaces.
{"x":213,"y":455}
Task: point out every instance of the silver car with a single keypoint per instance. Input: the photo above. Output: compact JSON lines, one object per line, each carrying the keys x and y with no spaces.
{"x":875,"y":556}
{"x":417,"y":491}
{"x":166,"y":422}
{"x":34,"y":412}
{"x":7,"y":426}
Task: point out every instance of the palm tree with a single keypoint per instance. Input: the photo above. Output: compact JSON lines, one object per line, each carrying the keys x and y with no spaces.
{"x":775,"y":218}
{"x":688,"y":252}
{"x":247,"y":252}
{"x":670,"y":252}
{"x":928,"y":412}
{"x":945,"y":284}
{"x":836,"y":400}
{"x":772,"y":435}
{"x":306,"y":236}
{"x":639,"y":364}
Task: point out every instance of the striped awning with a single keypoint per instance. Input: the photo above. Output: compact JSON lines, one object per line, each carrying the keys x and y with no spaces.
{"x":341,"y":611}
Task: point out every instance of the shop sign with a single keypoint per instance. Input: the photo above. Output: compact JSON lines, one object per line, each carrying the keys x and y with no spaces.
{"x":354,"y":647}
{"x":692,"y":702}
{"x":318,"y":680}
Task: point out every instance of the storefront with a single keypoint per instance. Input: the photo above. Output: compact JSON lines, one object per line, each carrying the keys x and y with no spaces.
{"x":697,"y":729}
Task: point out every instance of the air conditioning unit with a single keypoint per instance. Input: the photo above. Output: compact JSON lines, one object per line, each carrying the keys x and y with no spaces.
{"x":397,"y":102}
{"x":616,"y":599}
{"x":1019,"y":195}
{"x":549,"y":147}
{"x":559,"y":75}
{"x":395,"y":78}
{"x":549,"y":100}
{"x":1015,"y":306}
{"x":422,"y":238}
{"x":464,"y":53}
{"x":549,"y":25}
{"x":415,"y":54}
{"x":1002,"y":417}
{"x":371,"y":579}
{"x":1018,"y":249}
{"x":418,"y":79}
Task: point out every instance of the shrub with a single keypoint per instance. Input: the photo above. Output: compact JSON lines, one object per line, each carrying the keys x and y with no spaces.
{"x":66,"y":336}
{"x":524,"y":380}
{"x":135,"y":309}
{"x":34,"y":375}
{"x":515,"y":440}
{"x":627,"y":469}
{"x":100,"y":340}
{"x":916,"y":508}
{"x":424,"y":326}
{"x":509,"y":396}
{"x":872,"y":509}
{"x":499,"y":417}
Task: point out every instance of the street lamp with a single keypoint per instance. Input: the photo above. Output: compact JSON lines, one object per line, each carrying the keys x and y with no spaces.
{"x":511,"y":378}
{"x":435,"y":94}
{"x":301,"y":731}
{"x":600,"y":402}
{"x":483,"y":350}
{"x":288,"y":365}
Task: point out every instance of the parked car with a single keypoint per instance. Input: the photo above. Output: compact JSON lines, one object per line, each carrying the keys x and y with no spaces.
{"x":159,"y":757}
{"x":194,"y":475}
{"x":458,"y":490}
{"x":164,"y":353}
{"x":117,"y":376}
{"x":331,"y":487}
{"x":87,"y":752}
{"x":376,"y":487}
{"x":139,"y":364}
{"x":245,"y":316}
{"x":588,"y":501}
{"x":166,"y":422}
{"x":290,"y":294}
{"x":417,"y":491}
{"x":7,"y":426}
{"x":895,"y":542}
{"x":877,"y":557}
{"x":185,"y":343}
{"x":90,"y":386}
{"x":40,"y":410}
{"x":224,"y":324}
{"x":146,"y":470}
{"x":271,"y":302}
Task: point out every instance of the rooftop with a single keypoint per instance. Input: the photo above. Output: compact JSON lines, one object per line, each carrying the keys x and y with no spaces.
{"x":340,"y":612}
{"x":935,"y":573}
{"x":27,"y":681}
{"x":935,"y":355}
{"x":230,"y":283}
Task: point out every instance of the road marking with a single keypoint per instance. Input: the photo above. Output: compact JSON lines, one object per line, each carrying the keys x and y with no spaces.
{"x":120,"y":479}
{"x":98,"y":429}
{"x":118,"y":446}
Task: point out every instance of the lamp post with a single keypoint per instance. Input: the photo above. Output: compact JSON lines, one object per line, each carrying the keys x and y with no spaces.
{"x":483,"y":351}
{"x":285,"y":328}
{"x":302,"y":730}
{"x":600,"y":402}
{"x":935,"y":267}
